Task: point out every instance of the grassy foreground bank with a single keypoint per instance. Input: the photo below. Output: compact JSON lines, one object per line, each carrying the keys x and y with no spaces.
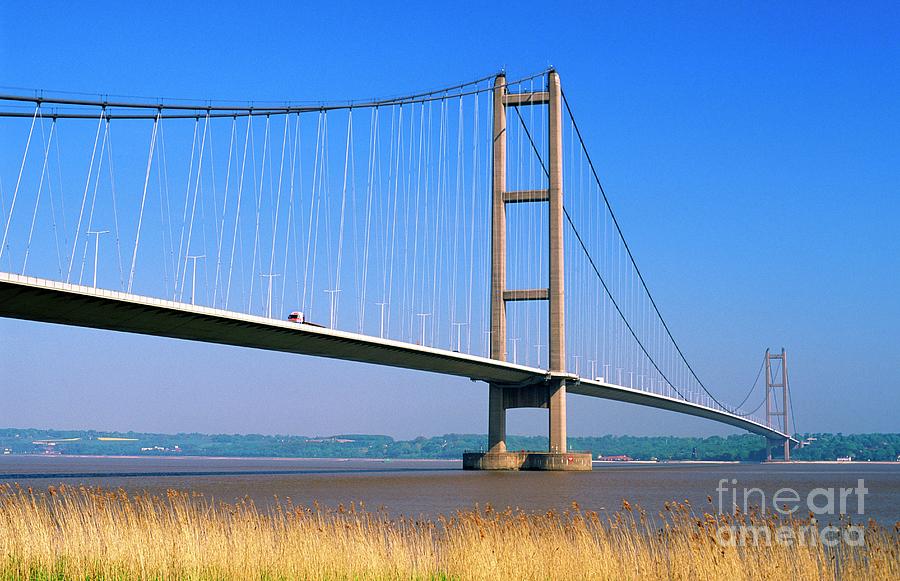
{"x":67,"y":533}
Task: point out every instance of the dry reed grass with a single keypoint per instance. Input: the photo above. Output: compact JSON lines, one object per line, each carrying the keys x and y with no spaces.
{"x":82,"y":533}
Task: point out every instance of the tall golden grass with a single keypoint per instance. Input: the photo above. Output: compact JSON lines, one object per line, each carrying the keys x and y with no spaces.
{"x":83,"y":533}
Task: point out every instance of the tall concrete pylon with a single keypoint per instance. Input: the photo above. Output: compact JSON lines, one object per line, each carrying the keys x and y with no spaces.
{"x":777,"y":381}
{"x":552,"y":393}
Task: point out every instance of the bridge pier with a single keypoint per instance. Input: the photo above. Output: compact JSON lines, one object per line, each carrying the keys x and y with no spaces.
{"x":550,"y":395}
{"x":771,"y":443}
{"x":496,"y":419}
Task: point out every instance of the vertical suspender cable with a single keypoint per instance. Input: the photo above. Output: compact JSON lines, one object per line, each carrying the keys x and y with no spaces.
{"x":237,"y":213}
{"x":3,"y":216}
{"x":291,"y":230}
{"x":93,"y":202}
{"x":394,"y":221}
{"x":165,"y":211}
{"x":370,"y":186}
{"x":340,"y":250}
{"x":298,"y":207}
{"x":187,"y":193}
{"x":40,"y":189}
{"x":312,"y":202}
{"x":277,"y":209}
{"x":387,"y":190}
{"x":321,"y":185}
{"x":258,"y":187}
{"x":187,"y":247}
{"x":221,"y":226}
{"x":472,"y":213}
{"x":12,"y":204}
{"x":420,"y":156}
{"x":137,"y":237}
{"x":112,"y":187}
{"x":407,"y":180}
{"x":203,"y":204}
{"x":59,"y":253}
{"x":438,"y":213}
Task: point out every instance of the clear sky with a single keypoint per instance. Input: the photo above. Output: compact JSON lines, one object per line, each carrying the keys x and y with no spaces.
{"x":751,"y":151}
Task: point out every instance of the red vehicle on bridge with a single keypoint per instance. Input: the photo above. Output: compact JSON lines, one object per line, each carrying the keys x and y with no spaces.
{"x":299,"y":318}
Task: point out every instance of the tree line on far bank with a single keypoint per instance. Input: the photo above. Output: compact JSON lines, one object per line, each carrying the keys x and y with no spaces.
{"x":742,"y":447}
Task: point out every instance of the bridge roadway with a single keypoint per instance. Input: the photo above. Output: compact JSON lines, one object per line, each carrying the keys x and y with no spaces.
{"x":37,"y":299}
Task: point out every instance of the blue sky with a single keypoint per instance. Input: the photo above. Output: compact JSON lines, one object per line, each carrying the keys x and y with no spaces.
{"x":750,"y":150}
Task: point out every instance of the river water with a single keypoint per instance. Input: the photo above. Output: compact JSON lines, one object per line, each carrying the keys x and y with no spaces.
{"x":431,"y":487}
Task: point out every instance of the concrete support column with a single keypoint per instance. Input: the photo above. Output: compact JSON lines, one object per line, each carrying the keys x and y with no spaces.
{"x":557,"y":337}
{"x":785,"y":443}
{"x":557,"y":334}
{"x":785,"y":404}
{"x":498,"y":224}
{"x":557,"y":404}
{"x":496,"y":420}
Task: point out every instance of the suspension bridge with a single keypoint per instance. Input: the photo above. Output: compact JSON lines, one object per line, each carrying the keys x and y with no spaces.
{"x":462,"y":231}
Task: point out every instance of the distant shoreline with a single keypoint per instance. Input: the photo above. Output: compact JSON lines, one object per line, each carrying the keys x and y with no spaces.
{"x":853,"y":463}
{"x":374,"y":447}
{"x":199,"y":457}
{"x":595,"y":462}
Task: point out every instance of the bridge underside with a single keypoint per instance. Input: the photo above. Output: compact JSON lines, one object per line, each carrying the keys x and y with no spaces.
{"x":52,"y":302}
{"x":34,"y":299}
{"x":47,"y":301}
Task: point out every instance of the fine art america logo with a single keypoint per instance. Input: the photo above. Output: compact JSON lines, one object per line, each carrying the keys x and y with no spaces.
{"x":788,"y":503}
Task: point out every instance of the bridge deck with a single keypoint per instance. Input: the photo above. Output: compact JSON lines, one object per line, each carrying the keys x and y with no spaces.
{"x":36,"y":299}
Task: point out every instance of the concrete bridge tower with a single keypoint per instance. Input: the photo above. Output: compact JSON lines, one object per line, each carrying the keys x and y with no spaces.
{"x":551,"y":392}
{"x":777,"y":378}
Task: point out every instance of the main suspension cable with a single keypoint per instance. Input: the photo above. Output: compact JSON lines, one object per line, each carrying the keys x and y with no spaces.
{"x":594,"y":266}
{"x":207,"y":109}
{"x":755,"y":381}
{"x":631,"y":256}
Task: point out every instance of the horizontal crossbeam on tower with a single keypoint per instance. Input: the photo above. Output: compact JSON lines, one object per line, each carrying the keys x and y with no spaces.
{"x":525,"y":99}
{"x":521,"y":196}
{"x":532,"y":294}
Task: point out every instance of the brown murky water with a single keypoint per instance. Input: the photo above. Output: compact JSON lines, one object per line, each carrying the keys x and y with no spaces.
{"x":427,"y":487}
